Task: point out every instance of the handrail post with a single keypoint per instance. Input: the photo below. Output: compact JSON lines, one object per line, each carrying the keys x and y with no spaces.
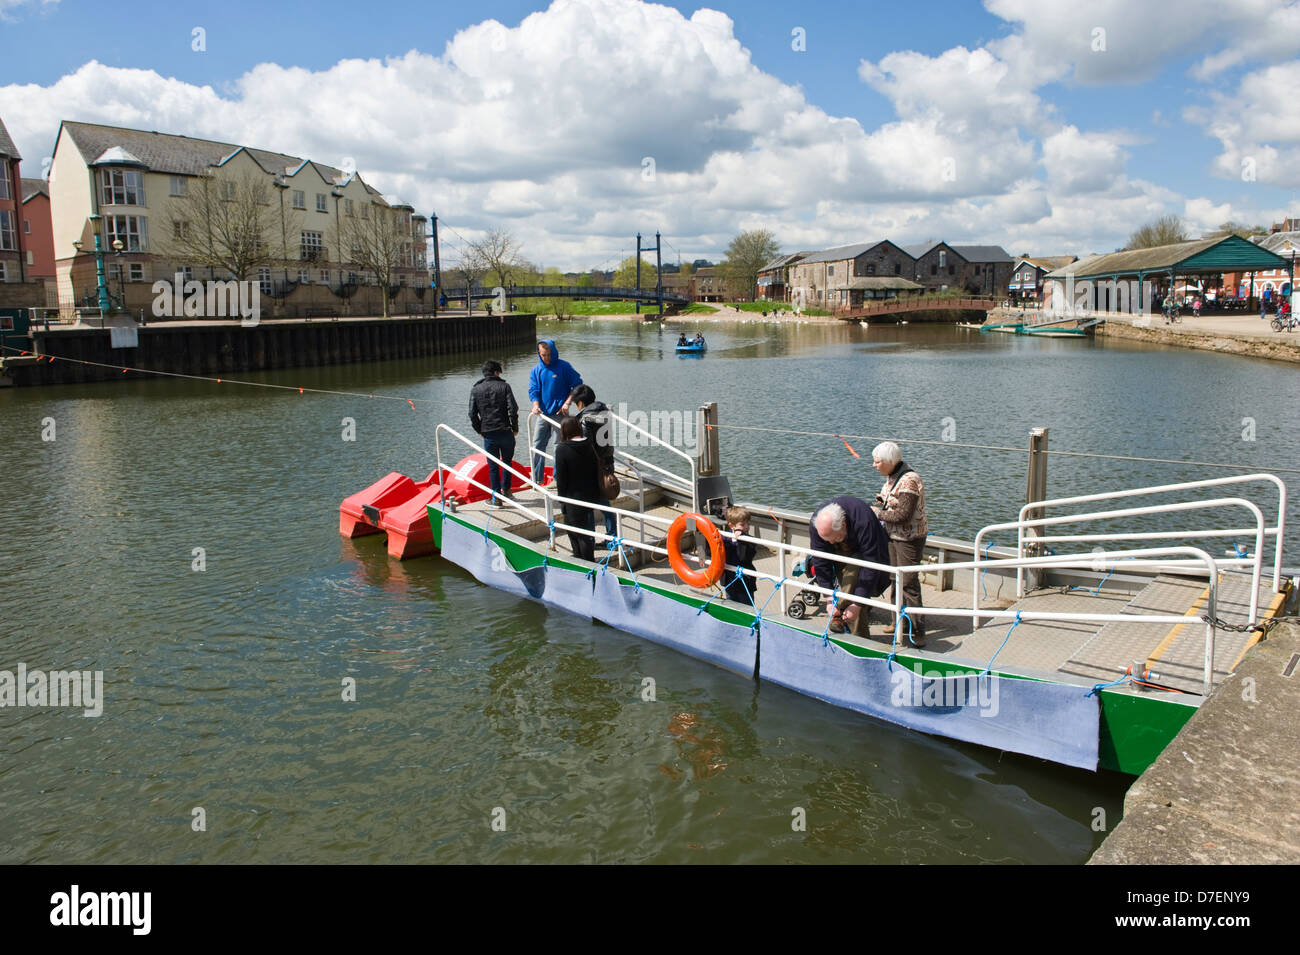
{"x":1035,"y":490}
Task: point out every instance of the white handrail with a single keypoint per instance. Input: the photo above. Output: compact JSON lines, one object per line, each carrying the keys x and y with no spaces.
{"x":1279,"y":531}
{"x":1020,"y":525}
{"x":690,"y":461}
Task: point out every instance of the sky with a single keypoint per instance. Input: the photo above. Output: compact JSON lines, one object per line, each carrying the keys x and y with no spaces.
{"x":1045,"y":126}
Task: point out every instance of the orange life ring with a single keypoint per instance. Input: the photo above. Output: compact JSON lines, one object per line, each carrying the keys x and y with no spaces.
{"x":717,"y":560}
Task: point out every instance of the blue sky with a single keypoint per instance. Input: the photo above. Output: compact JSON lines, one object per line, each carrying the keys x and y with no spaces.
{"x":1056,"y":137}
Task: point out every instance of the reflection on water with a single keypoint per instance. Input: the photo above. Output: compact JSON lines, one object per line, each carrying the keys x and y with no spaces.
{"x":225,"y":688}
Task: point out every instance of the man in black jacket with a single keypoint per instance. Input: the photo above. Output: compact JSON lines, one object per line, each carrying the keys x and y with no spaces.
{"x":847,"y":527}
{"x":594,"y":416}
{"x":495,"y":415}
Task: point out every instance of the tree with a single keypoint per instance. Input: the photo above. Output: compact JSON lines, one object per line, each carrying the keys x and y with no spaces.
{"x":746,"y":255}
{"x":686,"y":270}
{"x":497,"y":256}
{"x":625,"y":275}
{"x":1166,"y":230}
{"x":228,"y":226}
{"x":1236,"y":228}
{"x":380,"y":244}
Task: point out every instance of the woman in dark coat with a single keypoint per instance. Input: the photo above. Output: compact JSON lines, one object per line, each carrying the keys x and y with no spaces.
{"x":577,"y":477}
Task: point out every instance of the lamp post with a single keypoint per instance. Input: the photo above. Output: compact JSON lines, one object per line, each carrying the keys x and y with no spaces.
{"x":100,"y":285}
{"x":121,"y":289}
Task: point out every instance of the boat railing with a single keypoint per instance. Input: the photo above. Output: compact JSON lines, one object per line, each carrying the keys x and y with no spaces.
{"x":550,"y":498}
{"x":692,"y":484}
{"x":1137,"y":558}
{"x":1254,"y":562}
{"x":1278,"y":531}
{"x":638,"y":465}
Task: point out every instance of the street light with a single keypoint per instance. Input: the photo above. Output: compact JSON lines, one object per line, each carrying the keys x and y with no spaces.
{"x":118,"y":246}
{"x":101,"y":286}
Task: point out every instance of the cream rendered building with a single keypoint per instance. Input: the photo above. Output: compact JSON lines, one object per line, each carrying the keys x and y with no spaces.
{"x":144,"y":187}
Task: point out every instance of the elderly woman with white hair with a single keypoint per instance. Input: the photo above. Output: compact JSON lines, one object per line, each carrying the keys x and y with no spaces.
{"x":901,"y":508}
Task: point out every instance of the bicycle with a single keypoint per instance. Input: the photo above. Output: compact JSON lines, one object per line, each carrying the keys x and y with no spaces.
{"x":1285,"y":323}
{"x":1173,"y":315}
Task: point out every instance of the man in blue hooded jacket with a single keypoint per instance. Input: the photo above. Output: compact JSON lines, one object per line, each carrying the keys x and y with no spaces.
{"x":550,"y":388}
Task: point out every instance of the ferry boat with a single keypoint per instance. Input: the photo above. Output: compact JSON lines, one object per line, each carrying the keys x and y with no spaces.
{"x":1090,"y":658}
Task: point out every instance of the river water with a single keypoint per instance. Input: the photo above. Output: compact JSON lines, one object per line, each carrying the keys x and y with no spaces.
{"x":224,"y":735}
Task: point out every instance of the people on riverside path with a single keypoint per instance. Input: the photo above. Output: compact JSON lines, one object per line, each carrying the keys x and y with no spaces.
{"x":848,"y":527}
{"x":900,"y":505}
{"x":550,"y":388}
{"x":495,"y":415}
{"x":594,"y":416}
{"x":740,"y":554}
{"x":576,"y":476}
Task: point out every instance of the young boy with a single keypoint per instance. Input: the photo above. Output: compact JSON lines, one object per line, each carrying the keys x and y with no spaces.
{"x":739,"y":554}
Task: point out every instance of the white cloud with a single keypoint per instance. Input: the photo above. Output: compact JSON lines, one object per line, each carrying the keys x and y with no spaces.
{"x":544,"y":127}
{"x":1258,"y":126}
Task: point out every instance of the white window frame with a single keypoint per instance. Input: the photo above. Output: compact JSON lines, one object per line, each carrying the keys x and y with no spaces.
{"x":347,"y":208}
{"x":187,"y":273}
{"x":304,"y":276}
{"x":4,"y":271}
{"x":299,"y":199}
{"x":134,"y":236}
{"x":135,"y":272}
{"x":8,"y":231}
{"x":322,"y":205}
{"x":178,"y":186}
{"x":324,"y":276}
{"x":264,"y":280}
{"x":226,"y":191}
{"x":316,"y":244}
{"x":365,"y":210}
{"x":121,"y":187}
{"x":5,"y":192}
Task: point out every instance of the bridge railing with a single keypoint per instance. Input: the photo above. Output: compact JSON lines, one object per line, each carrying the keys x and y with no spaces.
{"x":569,"y":291}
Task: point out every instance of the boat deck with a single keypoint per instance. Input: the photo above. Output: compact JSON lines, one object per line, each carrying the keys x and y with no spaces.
{"x":1084,"y":653}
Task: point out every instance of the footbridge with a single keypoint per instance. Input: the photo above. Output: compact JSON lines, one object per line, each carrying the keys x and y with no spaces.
{"x":610,"y":292}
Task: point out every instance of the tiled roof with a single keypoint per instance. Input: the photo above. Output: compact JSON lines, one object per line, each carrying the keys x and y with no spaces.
{"x":916,"y":251}
{"x":1048,"y":262}
{"x":1276,"y":242}
{"x":7,"y":147}
{"x":181,"y":155}
{"x":981,"y":253}
{"x":784,"y":260}
{"x":838,"y":254}
{"x":34,"y":187}
{"x":1141,"y":260}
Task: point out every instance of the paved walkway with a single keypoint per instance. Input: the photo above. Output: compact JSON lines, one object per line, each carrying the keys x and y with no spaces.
{"x":1227,"y":789}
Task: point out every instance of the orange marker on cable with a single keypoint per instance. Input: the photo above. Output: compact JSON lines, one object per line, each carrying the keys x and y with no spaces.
{"x":849,"y":446}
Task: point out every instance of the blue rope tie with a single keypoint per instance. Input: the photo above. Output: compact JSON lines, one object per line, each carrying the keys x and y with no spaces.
{"x":1013,"y":626}
{"x":753,"y":627}
{"x":835,"y":605}
{"x":1101,"y":686}
{"x":550,"y":542}
{"x":487,"y":525}
{"x":984,"y":572}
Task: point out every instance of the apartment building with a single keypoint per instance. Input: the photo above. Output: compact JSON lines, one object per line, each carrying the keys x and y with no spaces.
{"x":318,"y":239}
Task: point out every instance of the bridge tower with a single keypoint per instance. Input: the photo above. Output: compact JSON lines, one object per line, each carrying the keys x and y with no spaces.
{"x":659,"y":272}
